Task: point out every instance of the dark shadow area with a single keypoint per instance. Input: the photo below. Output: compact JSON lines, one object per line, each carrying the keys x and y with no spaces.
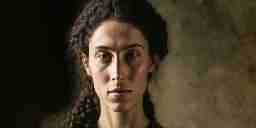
{"x":36,"y":82}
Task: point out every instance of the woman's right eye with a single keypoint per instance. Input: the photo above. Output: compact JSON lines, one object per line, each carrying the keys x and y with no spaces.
{"x":103,"y":57}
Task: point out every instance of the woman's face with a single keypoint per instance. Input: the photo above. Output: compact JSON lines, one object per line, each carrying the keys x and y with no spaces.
{"x":119,"y":64}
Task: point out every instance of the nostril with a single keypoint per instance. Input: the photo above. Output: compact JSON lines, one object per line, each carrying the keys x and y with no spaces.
{"x":117,"y":77}
{"x":114,"y":78}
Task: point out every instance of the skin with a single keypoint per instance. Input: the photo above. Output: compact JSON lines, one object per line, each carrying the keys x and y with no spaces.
{"x":119,"y":59}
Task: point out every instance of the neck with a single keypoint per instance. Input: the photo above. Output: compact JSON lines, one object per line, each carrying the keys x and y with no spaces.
{"x":134,"y":118}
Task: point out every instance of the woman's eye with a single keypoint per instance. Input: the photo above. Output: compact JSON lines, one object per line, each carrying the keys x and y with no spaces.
{"x":103,"y":57}
{"x":132,"y":56}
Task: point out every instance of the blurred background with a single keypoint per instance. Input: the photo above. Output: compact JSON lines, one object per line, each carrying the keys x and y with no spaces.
{"x":209,"y":78}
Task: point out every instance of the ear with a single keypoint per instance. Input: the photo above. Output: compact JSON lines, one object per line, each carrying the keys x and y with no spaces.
{"x":85,"y":63}
{"x":154,"y":63}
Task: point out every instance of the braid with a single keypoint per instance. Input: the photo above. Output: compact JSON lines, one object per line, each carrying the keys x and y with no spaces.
{"x":149,"y":111}
{"x":85,"y":113}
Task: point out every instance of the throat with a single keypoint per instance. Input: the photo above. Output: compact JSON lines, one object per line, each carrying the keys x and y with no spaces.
{"x":134,"y":118}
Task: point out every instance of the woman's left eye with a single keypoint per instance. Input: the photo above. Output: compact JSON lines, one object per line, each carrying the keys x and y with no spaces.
{"x":132,"y":56}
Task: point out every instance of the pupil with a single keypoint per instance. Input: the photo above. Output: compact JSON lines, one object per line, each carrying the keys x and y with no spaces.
{"x":130,"y":57}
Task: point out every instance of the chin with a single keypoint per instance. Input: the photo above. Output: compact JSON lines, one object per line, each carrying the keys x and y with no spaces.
{"x":120,"y":107}
{"x":120,"y":110}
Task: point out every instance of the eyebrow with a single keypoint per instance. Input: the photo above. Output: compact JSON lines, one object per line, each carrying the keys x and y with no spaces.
{"x":127,"y":47}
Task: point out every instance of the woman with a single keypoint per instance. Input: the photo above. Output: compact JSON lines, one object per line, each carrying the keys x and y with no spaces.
{"x":119,"y":44}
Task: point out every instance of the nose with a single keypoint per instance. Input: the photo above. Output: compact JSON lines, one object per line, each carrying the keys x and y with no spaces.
{"x":116,"y":78}
{"x":119,"y":69}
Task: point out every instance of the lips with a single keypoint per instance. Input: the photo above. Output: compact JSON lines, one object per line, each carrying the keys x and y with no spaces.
{"x":120,"y":91}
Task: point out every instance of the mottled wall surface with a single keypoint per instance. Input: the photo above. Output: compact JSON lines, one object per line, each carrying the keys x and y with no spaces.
{"x":209,"y":78}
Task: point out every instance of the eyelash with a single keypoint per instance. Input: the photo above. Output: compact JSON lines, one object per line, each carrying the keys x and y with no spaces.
{"x":103,"y":57}
{"x":131,"y":56}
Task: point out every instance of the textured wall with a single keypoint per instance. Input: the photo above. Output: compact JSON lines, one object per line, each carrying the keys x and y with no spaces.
{"x":209,"y":78}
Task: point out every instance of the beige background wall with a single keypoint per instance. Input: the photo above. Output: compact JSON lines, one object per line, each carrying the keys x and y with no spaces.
{"x":209,"y":78}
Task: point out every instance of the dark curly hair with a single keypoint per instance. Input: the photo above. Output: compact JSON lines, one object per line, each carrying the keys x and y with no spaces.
{"x":140,"y":14}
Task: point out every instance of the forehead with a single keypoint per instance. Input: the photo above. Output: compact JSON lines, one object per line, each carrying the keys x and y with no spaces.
{"x":117,"y":35}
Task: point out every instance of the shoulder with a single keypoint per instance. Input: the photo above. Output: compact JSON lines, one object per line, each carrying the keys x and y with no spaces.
{"x":57,"y":120}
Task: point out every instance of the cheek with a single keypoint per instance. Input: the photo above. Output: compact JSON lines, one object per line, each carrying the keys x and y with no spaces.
{"x":100,"y":83}
{"x":98,"y":72}
{"x":140,"y":79}
{"x":100,"y":77}
{"x":142,"y":69}
{"x":140,"y":74}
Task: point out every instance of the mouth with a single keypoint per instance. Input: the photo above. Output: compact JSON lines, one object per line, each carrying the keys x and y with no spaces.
{"x":119,"y":91}
{"x":119,"y":95}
